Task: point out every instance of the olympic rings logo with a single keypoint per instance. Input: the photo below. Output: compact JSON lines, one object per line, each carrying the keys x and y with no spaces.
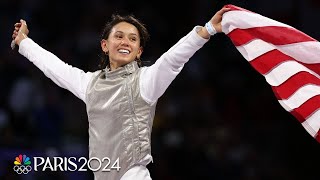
{"x":22,"y":169}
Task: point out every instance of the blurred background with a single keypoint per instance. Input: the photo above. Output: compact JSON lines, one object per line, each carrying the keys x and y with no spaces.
{"x":218,"y":120}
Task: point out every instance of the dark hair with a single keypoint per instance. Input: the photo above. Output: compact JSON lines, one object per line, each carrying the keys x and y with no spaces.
{"x":115,"y":19}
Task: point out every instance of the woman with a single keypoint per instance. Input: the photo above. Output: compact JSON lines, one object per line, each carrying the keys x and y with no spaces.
{"x":121,"y":98}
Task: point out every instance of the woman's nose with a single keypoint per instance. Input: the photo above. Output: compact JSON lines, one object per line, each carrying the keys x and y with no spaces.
{"x":124,"y":41}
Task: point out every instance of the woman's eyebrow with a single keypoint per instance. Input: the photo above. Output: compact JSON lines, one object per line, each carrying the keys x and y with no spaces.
{"x":129,"y":33}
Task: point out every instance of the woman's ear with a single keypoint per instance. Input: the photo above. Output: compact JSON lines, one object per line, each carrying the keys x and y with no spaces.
{"x":104,"y":45}
{"x":139,"y":52}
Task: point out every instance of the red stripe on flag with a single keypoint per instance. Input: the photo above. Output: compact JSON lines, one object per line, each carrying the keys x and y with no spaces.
{"x":318,"y":136}
{"x":236,"y":8}
{"x":314,"y":67}
{"x":266,"y":62}
{"x":307,"y":109}
{"x":276,"y":35}
{"x":276,"y":93}
{"x":286,"y":89}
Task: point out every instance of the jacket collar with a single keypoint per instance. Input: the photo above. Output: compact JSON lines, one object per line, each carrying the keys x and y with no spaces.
{"x":123,"y":71}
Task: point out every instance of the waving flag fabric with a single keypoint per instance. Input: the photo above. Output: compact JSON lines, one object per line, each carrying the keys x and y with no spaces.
{"x":287,"y":58}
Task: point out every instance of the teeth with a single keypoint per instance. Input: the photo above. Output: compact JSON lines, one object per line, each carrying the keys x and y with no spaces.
{"x":123,"y":51}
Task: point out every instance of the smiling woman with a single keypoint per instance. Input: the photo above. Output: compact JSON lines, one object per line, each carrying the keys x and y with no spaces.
{"x":121,"y":98}
{"x":123,"y":39}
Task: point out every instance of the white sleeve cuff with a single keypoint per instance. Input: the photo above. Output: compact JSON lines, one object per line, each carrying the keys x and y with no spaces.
{"x":196,"y":38}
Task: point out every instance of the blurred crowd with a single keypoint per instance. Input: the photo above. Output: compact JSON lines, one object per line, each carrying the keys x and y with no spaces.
{"x":218,"y":120}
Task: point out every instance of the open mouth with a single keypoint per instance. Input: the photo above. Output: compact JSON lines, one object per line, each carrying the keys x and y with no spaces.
{"x":123,"y":51}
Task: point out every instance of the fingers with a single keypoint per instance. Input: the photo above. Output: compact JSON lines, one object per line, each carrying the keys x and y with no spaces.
{"x":223,"y":10}
{"x":17,"y":24}
{"x":20,"y":32}
{"x":14,"y":34}
{"x":23,"y":22}
{"x":17,"y":27}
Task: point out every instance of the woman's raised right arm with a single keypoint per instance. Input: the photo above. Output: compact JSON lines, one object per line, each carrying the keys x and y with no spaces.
{"x":73,"y":79}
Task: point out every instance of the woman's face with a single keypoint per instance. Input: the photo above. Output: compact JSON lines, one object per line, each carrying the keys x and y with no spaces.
{"x":122,"y":45}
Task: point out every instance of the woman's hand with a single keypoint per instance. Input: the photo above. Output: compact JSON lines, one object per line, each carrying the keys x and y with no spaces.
{"x":20,"y":31}
{"x":217,"y":18}
{"x":216,"y":23}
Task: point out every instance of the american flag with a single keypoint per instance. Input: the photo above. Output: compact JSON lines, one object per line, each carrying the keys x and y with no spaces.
{"x":288,"y":59}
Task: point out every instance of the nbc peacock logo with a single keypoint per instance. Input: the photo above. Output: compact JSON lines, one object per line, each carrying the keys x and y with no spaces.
{"x":22,"y":164}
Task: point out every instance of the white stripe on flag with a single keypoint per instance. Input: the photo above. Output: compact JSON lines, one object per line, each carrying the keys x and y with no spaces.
{"x":284,"y":71}
{"x":312,"y":124}
{"x":300,"y":96}
{"x":306,"y":52}
{"x":254,"y":49}
{"x":245,"y":20}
